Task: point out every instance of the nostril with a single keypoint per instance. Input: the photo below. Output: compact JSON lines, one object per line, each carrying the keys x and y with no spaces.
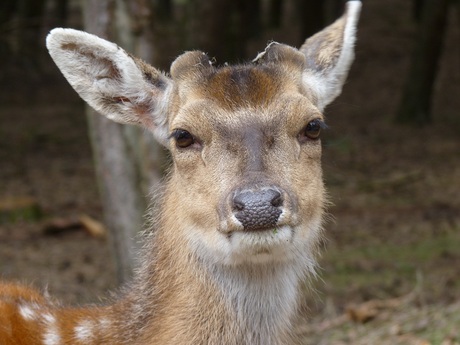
{"x":277,"y":200}
{"x":238,"y":205}
{"x":240,"y":201}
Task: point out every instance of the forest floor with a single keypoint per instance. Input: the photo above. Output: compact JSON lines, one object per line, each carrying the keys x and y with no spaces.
{"x":390,"y":270}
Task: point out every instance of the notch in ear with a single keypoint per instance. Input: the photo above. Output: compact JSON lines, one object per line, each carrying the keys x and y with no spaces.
{"x":329,"y":55}
{"x":117,"y":85}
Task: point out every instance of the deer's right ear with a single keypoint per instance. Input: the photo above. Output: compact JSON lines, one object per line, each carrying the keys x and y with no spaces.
{"x":117,"y":85}
{"x":329,"y":55}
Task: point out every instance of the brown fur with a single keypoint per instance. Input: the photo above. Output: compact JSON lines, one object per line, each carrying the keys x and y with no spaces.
{"x":204,"y":278}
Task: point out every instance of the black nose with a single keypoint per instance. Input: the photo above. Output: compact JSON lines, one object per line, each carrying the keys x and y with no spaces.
{"x":258,"y":209}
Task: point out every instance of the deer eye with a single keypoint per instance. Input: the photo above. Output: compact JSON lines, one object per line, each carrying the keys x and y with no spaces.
{"x":311,"y":131}
{"x":183,"y":138}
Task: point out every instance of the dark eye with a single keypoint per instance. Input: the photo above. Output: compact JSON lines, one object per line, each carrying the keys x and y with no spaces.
{"x":312,"y":130}
{"x":183,"y":138}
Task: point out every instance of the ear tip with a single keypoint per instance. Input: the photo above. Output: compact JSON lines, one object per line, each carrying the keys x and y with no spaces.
{"x":352,"y":14}
{"x":60,"y":34}
{"x":53,"y":36}
{"x":57,"y":35}
{"x":354,"y":6}
{"x":65,"y":38}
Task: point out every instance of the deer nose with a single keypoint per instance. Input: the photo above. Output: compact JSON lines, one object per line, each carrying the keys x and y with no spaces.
{"x":258,"y":210}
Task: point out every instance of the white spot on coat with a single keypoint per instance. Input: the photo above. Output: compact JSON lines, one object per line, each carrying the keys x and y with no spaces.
{"x":27,"y":312}
{"x":84,"y":331}
{"x":51,"y":335}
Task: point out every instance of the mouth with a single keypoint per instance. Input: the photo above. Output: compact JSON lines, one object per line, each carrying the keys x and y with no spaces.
{"x":261,"y":245}
{"x":273,"y":232}
{"x":266,"y":231}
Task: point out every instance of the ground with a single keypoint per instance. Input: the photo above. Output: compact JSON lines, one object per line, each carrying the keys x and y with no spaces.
{"x":390,"y":270}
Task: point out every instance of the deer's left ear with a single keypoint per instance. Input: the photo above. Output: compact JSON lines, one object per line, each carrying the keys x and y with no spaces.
{"x":329,"y":55}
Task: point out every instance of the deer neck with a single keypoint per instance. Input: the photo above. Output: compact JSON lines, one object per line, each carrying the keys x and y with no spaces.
{"x":182,"y":299}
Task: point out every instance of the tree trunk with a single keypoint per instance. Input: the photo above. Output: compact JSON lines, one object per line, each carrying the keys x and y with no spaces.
{"x":127,"y":160}
{"x":418,"y":91}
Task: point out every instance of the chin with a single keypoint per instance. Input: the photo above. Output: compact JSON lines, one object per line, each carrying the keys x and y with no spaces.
{"x":262,"y":246}
{"x":278,"y":245}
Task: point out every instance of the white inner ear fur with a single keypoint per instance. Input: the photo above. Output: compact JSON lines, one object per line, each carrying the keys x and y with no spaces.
{"x":327,"y":84}
{"x":102,"y":73}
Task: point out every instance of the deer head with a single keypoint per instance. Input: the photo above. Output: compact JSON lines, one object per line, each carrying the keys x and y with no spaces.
{"x":246,"y":184}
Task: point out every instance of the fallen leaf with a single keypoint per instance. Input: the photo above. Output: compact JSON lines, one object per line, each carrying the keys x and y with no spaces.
{"x":361,"y":313}
{"x":93,"y":227}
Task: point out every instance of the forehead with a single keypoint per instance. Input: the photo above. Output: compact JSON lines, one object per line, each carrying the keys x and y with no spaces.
{"x":249,"y":85}
{"x":235,"y":96}
{"x":246,"y":86}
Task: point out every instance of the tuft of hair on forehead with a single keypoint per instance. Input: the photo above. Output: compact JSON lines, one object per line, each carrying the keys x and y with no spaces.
{"x":243,"y":85}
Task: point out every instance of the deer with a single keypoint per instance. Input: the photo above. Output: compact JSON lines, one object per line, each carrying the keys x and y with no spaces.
{"x":239,"y":226}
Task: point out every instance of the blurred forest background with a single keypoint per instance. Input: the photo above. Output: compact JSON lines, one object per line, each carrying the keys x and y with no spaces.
{"x":391,"y":267}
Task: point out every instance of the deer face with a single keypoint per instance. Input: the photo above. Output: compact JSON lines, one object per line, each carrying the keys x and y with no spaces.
{"x":246,"y":184}
{"x":246,"y":151}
